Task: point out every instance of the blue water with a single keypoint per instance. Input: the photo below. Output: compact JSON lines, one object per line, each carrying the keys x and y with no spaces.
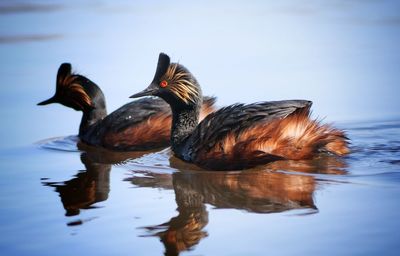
{"x":64,"y":201}
{"x":58,"y":198}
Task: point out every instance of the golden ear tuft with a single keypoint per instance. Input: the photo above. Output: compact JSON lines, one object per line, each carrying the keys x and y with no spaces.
{"x":80,"y":96}
{"x":182,"y":85}
{"x":70,"y":89}
{"x":73,"y":91}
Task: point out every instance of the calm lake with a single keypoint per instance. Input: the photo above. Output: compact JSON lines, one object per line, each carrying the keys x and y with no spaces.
{"x":58,"y":197}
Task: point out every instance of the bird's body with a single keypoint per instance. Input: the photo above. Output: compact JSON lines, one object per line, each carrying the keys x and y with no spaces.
{"x":139,"y":125}
{"x":239,"y":136}
{"x":242,"y":136}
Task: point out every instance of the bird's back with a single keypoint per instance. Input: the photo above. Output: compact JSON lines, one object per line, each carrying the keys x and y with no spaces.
{"x":139,"y":125}
{"x":241,"y":136}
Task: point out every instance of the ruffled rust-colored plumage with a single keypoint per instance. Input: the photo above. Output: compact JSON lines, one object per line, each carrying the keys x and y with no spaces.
{"x":239,"y":136}
{"x":138,"y":125}
{"x":295,"y":137}
{"x":150,"y":133}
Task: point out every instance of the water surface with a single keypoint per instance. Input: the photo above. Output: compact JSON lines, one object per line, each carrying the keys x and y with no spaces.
{"x":65,"y":201}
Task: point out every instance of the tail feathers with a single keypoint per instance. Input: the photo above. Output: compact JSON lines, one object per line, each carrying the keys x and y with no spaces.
{"x":338,"y":143}
{"x":298,"y":137}
{"x":294,"y":137}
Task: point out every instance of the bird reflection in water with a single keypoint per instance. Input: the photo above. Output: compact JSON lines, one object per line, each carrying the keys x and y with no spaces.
{"x":86,"y":188}
{"x":91,"y":185}
{"x":277,"y":187}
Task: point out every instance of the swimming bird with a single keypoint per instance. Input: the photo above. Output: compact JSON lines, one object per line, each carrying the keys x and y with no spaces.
{"x":238,"y":136}
{"x":139,"y":125}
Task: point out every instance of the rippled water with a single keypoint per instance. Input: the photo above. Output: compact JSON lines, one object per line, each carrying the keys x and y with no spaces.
{"x":66,"y":200}
{"x":59,"y":197}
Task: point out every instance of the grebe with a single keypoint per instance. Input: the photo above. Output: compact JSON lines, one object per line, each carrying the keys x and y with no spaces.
{"x":139,"y":125}
{"x":241,"y":135}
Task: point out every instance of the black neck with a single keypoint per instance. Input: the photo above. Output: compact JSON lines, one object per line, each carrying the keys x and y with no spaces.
{"x":98,"y":110}
{"x":91,"y":117}
{"x":184,"y":121}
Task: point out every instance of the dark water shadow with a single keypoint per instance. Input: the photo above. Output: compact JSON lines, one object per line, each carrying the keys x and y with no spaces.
{"x":13,"y":7}
{"x":90,"y":185}
{"x":261,"y":190}
{"x":12,"y":39}
{"x":104,"y":156}
{"x":16,"y":7}
{"x":97,"y":155}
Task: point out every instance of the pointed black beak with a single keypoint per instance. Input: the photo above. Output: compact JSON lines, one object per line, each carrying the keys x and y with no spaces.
{"x":149,"y":91}
{"x":49,"y":101}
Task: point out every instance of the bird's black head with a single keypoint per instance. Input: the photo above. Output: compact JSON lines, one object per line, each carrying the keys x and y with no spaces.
{"x":173,"y":83}
{"x":74,"y":91}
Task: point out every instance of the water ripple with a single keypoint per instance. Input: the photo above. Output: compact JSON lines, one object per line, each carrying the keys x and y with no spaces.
{"x":66,"y":143}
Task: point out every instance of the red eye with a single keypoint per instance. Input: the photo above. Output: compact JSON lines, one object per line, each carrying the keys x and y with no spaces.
{"x":163,"y":83}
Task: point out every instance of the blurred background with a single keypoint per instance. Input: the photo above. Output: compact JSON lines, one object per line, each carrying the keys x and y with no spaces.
{"x":341,"y":54}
